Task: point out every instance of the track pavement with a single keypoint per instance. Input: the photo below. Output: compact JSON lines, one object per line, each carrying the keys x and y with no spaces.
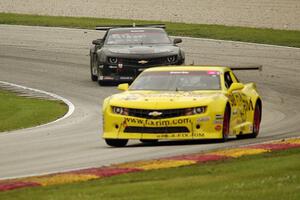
{"x":56,"y":60}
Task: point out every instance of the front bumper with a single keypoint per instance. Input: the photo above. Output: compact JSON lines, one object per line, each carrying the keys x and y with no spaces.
{"x":127,"y":71}
{"x":202,"y":126}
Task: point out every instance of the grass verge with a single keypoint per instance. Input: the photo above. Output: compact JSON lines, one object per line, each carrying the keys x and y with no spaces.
{"x":18,"y":112}
{"x":255,"y":35}
{"x":267,"y":176}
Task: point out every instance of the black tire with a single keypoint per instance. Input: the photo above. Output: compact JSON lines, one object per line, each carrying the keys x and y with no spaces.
{"x":92,"y":63}
{"x":116,"y":142}
{"x":148,"y":141}
{"x":226,"y":124}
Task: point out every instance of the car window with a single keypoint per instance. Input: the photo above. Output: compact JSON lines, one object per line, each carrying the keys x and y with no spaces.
{"x":227,"y":79}
{"x":177,"y":81}
{"x":137,"y":36}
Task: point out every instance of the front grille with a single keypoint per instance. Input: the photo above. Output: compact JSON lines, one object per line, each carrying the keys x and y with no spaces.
{"x":138,"y":129}
{"x":164,"y":113}
{"x":150,"y":61}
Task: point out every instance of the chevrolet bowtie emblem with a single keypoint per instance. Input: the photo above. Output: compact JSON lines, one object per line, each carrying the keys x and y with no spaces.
{"x":155,"y":114}
{"x":142,"y":61}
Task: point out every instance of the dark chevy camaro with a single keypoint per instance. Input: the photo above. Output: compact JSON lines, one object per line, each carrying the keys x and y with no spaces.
{"x":125,"y":52}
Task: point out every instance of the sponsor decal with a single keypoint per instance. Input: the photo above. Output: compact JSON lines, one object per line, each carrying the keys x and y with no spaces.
{"x":178,"y":72}
{"x":218,"y":121}
{"x":108,"y":78}
{"x":213,"y":72}
{"x":219,"y":116}
{"x":126,"y":77}
{"x":174,"y":135}
{"x":203,"y":119}
{"x":198,"y":135}
{"x":157,"y":123}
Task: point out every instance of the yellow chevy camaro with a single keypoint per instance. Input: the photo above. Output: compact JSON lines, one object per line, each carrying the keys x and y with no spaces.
{"x":182,"y":103}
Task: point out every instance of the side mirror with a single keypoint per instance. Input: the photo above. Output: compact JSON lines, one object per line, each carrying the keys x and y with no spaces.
{"x":235,"y":86}
{"x":97,"y":42}
{"x":177,"y":40}
{"x":123,"y":86}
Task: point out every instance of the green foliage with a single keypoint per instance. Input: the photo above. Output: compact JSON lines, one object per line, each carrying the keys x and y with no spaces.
{"x":255,"y":35}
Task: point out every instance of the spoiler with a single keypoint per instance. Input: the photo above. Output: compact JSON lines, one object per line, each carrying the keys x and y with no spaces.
{"x":236,"y":68}
{"x":105,"y":28}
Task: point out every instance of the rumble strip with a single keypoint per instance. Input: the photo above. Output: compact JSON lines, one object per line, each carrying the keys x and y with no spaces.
{"x":169,"y":162}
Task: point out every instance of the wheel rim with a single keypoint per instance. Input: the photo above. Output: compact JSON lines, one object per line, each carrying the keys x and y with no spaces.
{"x":226,"y":124}
{"x":256,"y":120}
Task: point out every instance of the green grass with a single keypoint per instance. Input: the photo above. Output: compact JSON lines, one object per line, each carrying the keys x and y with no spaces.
{"x":18,"y":112}
{"x":268,"y":176}
{"x":256,"y":35}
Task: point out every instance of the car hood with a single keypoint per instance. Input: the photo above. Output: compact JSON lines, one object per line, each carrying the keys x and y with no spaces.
{"x":163,"y":100}
{"x":152,"y":50}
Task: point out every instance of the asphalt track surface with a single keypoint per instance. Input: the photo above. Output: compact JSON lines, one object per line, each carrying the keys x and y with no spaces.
{"x":56,"y":60}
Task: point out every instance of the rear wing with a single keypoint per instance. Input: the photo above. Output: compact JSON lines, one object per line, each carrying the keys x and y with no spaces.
{"x":105,"y":28}
{"x":236,"y":68}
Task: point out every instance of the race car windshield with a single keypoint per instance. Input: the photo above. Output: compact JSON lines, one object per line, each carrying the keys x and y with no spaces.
{"x":137,"y":36}
{"x":178,"y":81}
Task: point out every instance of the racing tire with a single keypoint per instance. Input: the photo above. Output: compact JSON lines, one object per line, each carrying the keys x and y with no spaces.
{"x":256,"y":121}
{"x":116,"y":142}
{"x":226,"y":124}
{"x":93,"y":77}
{"x":148,"y":141}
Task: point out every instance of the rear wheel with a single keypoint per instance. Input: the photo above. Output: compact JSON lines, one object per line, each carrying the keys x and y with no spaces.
{"x":226,"y":124}
{"x":256,"y":121}
{"x":116,"y":142}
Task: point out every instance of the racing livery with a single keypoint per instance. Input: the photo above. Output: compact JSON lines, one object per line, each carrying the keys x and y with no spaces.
{"x":124,"y":52}
{"x":190,"y":102}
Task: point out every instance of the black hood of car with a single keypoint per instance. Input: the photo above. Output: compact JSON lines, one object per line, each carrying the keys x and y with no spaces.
{"x":138,"y":51}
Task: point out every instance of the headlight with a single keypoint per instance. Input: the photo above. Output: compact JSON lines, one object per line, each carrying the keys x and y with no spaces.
{"x":171,"y":59}
{"x":113,"y":60}
{"x":120,"y":110}
{"x":195,"y":111}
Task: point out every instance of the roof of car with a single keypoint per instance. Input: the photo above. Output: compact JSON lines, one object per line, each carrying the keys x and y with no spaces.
{"x":189,"y":68}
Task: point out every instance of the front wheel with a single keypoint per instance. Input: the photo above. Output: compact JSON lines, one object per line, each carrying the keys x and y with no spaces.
{"x":94,"y":71}
{"x":116,"y":142}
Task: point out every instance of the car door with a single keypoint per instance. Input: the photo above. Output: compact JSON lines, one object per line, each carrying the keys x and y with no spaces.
{"x":235,"y":100}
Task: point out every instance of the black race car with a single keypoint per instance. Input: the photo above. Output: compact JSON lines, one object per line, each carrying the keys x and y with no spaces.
{"x":125,"y":51}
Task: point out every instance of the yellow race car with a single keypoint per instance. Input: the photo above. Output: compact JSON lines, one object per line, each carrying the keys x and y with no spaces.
{"x":182,"y":103}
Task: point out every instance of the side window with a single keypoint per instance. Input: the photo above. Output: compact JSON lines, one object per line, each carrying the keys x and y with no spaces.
{"x":227,"y":79}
